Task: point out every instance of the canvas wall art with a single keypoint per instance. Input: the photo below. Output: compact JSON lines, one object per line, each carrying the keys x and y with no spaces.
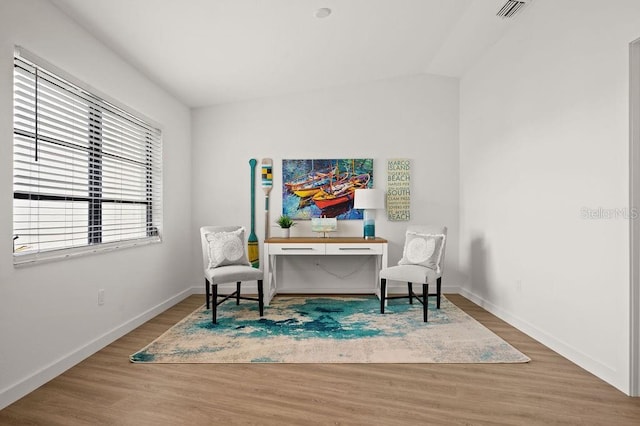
{"x":324,"y":188}
{"x":398,"y":189}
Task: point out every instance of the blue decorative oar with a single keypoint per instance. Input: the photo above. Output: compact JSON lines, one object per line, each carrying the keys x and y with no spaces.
{"x":252,"y":242}
{"x":267,"y":184}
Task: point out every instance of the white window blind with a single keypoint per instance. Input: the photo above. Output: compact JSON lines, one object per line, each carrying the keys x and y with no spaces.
{"x":87,"y":173}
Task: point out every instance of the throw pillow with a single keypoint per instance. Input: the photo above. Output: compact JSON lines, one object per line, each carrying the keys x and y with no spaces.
{"x":423,"y":249}
{"x":227,"y":248}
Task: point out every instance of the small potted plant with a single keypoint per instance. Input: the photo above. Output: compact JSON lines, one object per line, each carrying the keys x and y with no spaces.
{"x":285,"y":222}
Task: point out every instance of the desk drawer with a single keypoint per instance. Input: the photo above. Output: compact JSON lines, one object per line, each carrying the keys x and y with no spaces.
{"x":359,"y":249}
{"x":298,"y":249}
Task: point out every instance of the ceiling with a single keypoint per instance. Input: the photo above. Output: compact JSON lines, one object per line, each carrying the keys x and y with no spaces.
{"x":207,"y":52}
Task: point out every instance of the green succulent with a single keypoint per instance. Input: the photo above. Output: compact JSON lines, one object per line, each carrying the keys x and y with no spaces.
{"x":285,"y":221}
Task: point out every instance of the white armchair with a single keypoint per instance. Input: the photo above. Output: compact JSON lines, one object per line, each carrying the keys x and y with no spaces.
{"x":225,"y":260}
{"x":421,"y":263}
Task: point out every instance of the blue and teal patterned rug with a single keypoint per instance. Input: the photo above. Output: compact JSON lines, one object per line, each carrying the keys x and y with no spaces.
{"x":329,"y":330}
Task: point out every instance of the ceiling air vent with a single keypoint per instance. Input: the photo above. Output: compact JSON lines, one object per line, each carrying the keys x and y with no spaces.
{"x":511,"y":7}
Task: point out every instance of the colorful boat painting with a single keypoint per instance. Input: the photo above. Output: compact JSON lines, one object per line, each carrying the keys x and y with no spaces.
{"x":320,"y":184}
{"x":340,"y":193}
{"x":310,"y":189}
{"x":310,"y":178}
{"x":323,"y":188}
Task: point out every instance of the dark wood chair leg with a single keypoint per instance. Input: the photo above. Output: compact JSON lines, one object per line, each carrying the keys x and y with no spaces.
{"x":425,"y":300}
{"x":383,"y":292}
{"x":438,"y":292}
{"x":238,"y":284}
{"x":207,"y":288}
{"x":214,"y":303}
{"x":261,"y":297}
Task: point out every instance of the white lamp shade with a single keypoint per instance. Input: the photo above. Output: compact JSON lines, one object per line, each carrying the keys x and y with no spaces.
{"x":369,"y":198}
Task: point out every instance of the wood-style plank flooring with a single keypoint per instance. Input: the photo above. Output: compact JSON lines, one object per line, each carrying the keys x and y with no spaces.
{"x":106,"y":389}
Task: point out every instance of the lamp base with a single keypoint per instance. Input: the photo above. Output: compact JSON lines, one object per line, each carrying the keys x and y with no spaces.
{"x":369,"y":223}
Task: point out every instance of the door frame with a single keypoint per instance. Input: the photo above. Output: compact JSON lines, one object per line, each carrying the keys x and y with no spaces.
{"x":634,"y":221}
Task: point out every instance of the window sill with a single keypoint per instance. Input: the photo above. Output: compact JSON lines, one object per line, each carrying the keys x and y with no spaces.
{"x":27,"y":259}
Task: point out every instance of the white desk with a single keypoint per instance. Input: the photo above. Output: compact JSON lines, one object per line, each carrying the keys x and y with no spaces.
{"x":314,"y":246}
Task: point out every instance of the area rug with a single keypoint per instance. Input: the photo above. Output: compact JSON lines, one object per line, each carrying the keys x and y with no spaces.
{"x":329,"y":330}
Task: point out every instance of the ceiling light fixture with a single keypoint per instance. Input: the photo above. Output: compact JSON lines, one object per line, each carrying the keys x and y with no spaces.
{"x":323,"y":12}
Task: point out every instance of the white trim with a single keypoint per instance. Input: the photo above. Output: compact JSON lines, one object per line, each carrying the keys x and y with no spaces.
{"x":605,"y":372}
{"x":27,"y":259}
{"x":19,"y":389}
{"x":634,"y":224}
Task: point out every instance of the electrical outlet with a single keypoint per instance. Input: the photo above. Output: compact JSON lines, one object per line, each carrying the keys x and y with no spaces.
{"x":101,"y":296}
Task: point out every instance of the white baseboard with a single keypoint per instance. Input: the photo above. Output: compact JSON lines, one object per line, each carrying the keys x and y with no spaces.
{"x":17,"y":390}
{"x":574,"y":355}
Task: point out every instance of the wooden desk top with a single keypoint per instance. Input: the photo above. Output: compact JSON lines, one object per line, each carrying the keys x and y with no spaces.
{"x":323,"y":240}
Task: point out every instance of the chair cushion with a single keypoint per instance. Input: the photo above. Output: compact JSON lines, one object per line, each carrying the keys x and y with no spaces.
{"x":423,"y":249}
{"x":233,"y":273}
{"x":227,"y":248}
{"x":410,"y":273}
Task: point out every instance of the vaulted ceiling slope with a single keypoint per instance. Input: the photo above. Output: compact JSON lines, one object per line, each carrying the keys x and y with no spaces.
{"x":207,"y":52}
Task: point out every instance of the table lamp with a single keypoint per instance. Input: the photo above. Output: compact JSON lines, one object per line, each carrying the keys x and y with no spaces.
{"x":369,"y":200}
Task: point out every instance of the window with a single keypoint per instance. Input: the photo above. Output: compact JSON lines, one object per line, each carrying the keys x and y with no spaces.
{"x":87,"y":174}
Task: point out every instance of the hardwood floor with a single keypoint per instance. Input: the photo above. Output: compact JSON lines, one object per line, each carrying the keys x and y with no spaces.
{"x":107,"y":389}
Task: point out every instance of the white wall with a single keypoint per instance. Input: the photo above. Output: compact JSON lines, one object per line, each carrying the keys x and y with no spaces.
{"x":544,"y":135}
{"x":49,"y":317}
{"x":412,"y":117}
